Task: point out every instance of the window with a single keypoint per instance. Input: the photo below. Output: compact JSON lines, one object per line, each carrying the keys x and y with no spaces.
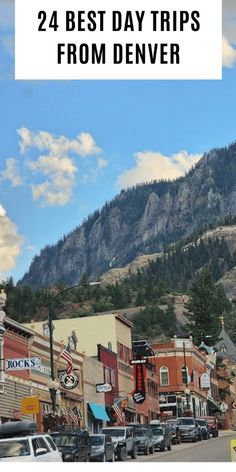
{"x":164,"y":376}
{"x":51,"y":443}
{"x":113,"y":378}
{"x":107,"y":375}
{"x":39,"y":443}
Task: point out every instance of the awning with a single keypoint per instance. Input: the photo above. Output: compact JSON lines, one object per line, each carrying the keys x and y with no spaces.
{"x":99,"y":411}
{"x":212,"y":406}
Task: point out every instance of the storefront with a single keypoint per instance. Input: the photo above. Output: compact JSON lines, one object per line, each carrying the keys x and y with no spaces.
{"x":96,"y":415}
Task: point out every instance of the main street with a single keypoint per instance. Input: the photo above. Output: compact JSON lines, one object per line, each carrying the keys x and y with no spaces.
{"x":212,"y":450}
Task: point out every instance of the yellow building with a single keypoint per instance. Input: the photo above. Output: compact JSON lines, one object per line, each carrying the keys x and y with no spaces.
{"x":112,"y":331}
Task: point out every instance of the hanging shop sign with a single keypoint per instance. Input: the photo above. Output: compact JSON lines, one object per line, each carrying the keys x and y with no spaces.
{"x":139,"y":394}
{"x":103,"y":388}
{"x":23,"y":363}
{"x":205,"y":381}
{"x":69,"y":381}
{"x":138,"y":361}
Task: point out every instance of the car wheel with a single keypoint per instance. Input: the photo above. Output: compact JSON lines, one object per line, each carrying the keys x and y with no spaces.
{"x":134,"y":453}
{"x":122,"y":456}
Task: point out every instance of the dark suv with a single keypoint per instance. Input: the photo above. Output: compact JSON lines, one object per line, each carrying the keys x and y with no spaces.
{"x":205,"y":429}
{"x":213,"y":425}
{"x":73,"y":444}
{"x":188,"y":429}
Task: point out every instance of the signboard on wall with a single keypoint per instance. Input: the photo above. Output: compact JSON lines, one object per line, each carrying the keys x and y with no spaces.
{"x":30,"y":405}
{"x":205,"y":381}
{"x":23,"y":363}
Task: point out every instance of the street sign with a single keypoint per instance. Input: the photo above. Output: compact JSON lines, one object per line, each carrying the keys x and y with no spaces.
{"x":103,"y":388}
{"x":23,"y":363}
{"x":138,"y":361}
{"x":30,"y":405}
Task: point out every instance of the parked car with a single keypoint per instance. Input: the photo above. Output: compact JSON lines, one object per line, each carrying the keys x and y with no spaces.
{"x":213,"y":425}
{"x":188,"y":429}
{"x":124,"y":441}
{"x":103,"y":449}
{"x":205,"y":429}
{"x":73,"y":443}
{"x":174,"y":432}
{"x":145,"y":442}
{"x":161,"y":437}
{"x":19,"y":442}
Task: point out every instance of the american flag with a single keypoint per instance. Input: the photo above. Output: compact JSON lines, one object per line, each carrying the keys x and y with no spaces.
{"x":118,"y":412}
{"x":73,"y":416}
{"x":67,"y":356}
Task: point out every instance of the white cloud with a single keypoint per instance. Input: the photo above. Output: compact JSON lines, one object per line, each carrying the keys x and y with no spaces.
{"x":228,"y":54}
{"x":10,"y":242}
{"x":151,"y":166}
{"x":2,"y":211}
{"x":57,"y":165}
{"x":83,"y":144}
{"x":12,"y":173}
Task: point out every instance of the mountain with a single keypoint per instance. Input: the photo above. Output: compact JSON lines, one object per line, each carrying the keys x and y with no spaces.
{"x":141,"y":220}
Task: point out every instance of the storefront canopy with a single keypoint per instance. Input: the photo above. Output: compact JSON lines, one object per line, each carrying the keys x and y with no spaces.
{"x":99,"y":411}
{"x":212,"y":406}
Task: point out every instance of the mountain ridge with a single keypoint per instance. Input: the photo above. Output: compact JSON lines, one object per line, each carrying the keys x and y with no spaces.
{"x":141,"y":220}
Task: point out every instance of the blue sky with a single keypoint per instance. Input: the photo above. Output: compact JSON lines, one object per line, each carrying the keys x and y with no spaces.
{"x":67,"y":147}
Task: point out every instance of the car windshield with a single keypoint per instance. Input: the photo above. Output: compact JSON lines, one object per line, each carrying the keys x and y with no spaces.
{"x":141,"y":432}
{"x":15,"y":448}
{"x":202,"y":422}
{"x":64,"y":440}
{"x":157,"y":431}
{"x":186,"y":421}
{"x":96,"y":440}
{"x":114,"y":432}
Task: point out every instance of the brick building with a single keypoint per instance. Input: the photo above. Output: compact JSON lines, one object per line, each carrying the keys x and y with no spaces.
{"x":180,"y":366}
{"x":110,"y":371}
{"x":14,"y":384}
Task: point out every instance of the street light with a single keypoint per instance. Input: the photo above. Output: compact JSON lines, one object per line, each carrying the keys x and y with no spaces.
{"x":186,"y":391}
{"x":53,"y":384}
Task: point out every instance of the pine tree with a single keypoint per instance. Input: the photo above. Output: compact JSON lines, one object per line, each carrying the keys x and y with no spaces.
{"x":201,"y":308}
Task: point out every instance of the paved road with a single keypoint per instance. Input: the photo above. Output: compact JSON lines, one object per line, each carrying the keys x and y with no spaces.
{"x":213,"y":450}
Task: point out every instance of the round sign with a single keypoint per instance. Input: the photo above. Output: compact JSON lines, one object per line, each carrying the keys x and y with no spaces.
{"x":69,"y":381}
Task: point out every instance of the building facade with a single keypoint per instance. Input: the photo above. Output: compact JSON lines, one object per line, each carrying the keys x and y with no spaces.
{"x":113,"y":331}
{"x":94,"y":403}
{"x":181,"y":367}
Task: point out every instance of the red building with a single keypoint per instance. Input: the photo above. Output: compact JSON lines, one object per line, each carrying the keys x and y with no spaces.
{"x":109,"y":360}
{"x":181,"y":368}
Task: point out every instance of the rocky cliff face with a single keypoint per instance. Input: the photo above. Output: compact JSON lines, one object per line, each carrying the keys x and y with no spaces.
{"x":141,"y":220}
